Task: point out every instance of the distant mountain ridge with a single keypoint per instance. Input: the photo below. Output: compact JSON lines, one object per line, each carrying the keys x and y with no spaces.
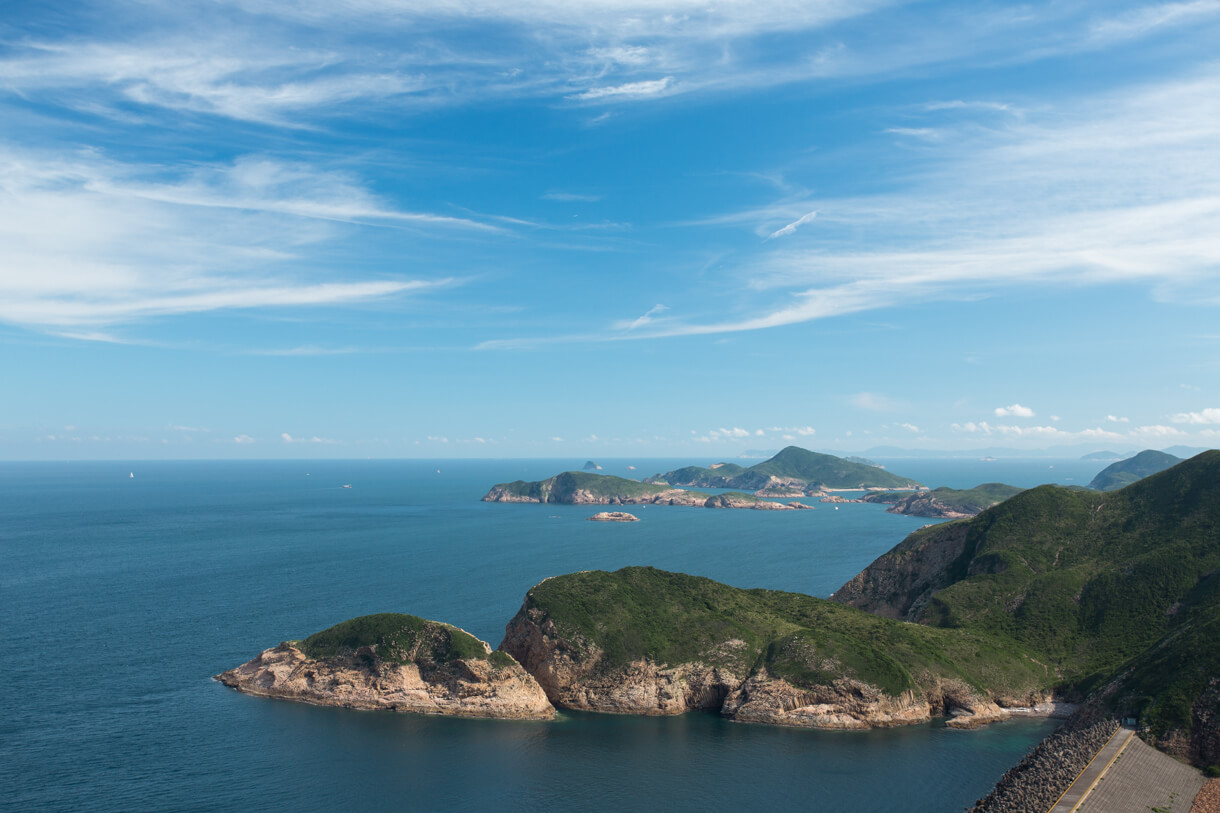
{"x":792,"y":468}
{"x":1117,"y":592}
{"x":1125,"y":472}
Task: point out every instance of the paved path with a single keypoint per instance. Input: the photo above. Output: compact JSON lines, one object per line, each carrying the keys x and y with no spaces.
{"x":1084,"y":783}
{"x":1144,"y":779}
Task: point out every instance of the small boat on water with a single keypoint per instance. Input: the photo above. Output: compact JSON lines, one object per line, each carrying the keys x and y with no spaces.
{"x":131,"y":475}
{"x":348,"y":485}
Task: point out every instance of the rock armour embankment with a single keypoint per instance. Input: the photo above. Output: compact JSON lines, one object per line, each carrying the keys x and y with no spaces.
{"x":1037,"y":781}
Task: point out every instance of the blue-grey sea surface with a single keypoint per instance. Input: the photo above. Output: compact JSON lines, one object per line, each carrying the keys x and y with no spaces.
{"x":121,"y":595}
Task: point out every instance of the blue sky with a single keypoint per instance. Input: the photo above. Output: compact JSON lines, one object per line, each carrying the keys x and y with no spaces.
{"x":256,"y":228}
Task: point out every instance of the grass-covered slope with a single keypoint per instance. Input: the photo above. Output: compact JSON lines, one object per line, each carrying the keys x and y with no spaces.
{"x":396,"y":638}
{"x":792,"y":464}
{"x":946,"y":502}
{"x":1125,"y":472}
{"x":1085,"y":581}
{"x":644,"y":614}
{"x":564,"y":488}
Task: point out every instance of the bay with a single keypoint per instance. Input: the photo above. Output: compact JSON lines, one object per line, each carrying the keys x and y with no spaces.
{"x":121,"y":595}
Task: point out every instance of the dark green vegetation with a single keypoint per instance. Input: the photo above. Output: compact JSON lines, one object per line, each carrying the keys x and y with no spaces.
{"x":793,"y":465}
{"x":398,"y":638}
{"x":671,"y":618}
{"x":946,"y":501}
{"x":1125,"y":472}
{"x":1119,"y":591}
{"x":564,"y":487}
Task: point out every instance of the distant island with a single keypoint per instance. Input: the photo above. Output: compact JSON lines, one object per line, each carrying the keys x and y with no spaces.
{"x":582,"y":488}
{"x":1103,"y":456}
{"x":1125,"y":472}
{"x":945,"y":503}
{"x":591,"y":466}
{"x":1055,"y":596}
{"x":792,"y":471}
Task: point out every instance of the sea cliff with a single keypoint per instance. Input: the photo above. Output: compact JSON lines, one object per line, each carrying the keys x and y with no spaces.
{"x":643,"y":641}
{"x":396,"y":663}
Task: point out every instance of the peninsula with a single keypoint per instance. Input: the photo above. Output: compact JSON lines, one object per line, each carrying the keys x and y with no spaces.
{"x":1125,"y":472}
{"x":583,"y":488}
{"x":792,"y":473}
{"x":945,"y":503}
{"x":793,"y":469}
{"x":395,"y":662}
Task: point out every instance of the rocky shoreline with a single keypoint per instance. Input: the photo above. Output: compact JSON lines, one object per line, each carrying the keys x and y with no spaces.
{"x":1038,"y":780}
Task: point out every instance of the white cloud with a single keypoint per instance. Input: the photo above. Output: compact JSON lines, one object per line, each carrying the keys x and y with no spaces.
{"x":944,"y":234}
{"x":557,"y":439}
{"x":1158,"y":431}
{"x":1014,"y":411}
{"x":438,"y":438}
{"x":793,"y":226}
{"x":910,"y":427}
{"x":287,"y":438}
{"x":1205,"y":416}
{"x":1117,"y":419}
{"x":874,"y":402}
{"x":961,"y":104}
{"x":647,"y":318}
{"x":243,"y":439}
{"x":927,"y":133}
{"x":630,"y":90}
{"x":178,"y":428}
{"x":88,"y":241}
{"x":720,"y":435}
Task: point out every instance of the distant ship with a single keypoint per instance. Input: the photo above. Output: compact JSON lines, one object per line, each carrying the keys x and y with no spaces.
{"x":131,"y":475}
{"x":349,"y":485}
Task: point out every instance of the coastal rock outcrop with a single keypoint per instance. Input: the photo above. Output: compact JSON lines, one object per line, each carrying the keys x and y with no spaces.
{"x":945,"y":503}
{"x":396,"y":663}
{"x":642,"y":641}
{"x":579,"y":488}
{"x":614,"y":516}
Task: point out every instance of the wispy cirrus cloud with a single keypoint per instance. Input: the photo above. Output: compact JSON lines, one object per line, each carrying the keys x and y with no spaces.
{"x":87,"y":242}
{"x":947,"y":234}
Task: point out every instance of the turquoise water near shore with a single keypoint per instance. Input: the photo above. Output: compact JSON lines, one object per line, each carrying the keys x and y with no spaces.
{"x":121,"y":596}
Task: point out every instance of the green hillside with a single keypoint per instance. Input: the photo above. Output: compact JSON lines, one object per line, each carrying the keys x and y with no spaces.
{"x":1085,"y":581}
{"x":1125,"y":472}
{"x":641,"y":613}
{"x":395,"y":638}
{"x":791,"y":464}
{"x":563,"y":487}
{"x":946,"y":501}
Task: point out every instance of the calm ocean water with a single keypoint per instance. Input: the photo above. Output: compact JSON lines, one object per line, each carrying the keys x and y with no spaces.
{"x":121,"y":596}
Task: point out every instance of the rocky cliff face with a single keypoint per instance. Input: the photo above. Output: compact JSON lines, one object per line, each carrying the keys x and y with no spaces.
{"x":469,"y":687}
{"x":575,"y":674}
{"x":900,"y":583}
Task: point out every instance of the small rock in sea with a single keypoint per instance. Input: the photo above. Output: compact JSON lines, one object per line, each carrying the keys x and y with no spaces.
{"x":614,"y":516}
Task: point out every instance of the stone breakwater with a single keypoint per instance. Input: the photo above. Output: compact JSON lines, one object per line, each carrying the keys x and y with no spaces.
{"x":1037,"y":781}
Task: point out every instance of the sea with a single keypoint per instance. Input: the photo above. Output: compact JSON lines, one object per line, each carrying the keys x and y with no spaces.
{"x":125,"y":586}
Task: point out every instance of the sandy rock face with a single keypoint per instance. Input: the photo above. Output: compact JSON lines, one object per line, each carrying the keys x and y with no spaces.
{"x":845,"y":704}
{"x":614,"y":516}
{"x":573,"y":676}
{"x":469,"y":687}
